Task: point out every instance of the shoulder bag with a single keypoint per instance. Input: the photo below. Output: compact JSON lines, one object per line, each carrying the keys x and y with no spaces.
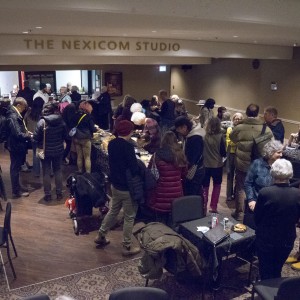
{"x":192,"y":170}
{"x":74,"y":129}
{"x":154,"y":169}
{"x":259,"y":143}
{"x":40,"y":153}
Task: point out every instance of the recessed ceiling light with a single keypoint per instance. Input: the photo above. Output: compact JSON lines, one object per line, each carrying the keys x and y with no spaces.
{"x":255,"y":42}
{"x":25,"y":32}
{"x":235,"y":36}
{"x":38,"y":27}
{"x":153,"y":31}
{"x":295,"y":45}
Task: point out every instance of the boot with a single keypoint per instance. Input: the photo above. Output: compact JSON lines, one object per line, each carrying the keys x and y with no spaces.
{"x":101,"y":240}
{"x":215,"y":197}
{"x":205,"y":199}
{"x":130,"y":250}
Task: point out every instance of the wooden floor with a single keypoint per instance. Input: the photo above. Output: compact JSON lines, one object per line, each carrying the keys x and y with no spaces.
{"x":44,"y":237}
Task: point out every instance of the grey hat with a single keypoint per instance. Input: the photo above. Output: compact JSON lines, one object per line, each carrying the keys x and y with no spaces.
{"x":201,"y":102}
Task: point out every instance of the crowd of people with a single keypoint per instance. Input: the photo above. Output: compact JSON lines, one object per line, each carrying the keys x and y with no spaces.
{"x":187,"y":153}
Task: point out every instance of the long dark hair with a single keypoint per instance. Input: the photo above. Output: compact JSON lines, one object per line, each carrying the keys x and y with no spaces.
{"x":169,"y":140}
{"x":36,"y":109}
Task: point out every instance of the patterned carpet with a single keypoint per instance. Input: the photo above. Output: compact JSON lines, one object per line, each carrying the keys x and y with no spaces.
{"x":98,"y":283}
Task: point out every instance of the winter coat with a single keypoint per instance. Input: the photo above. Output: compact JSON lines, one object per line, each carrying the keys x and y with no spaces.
{"x":104,"y":104}
{"x":169,"y":186}
{"x":242,"y":135}
{"x":164,"y":248}
{"x":17,"y":137}
{"x":55,"y":135}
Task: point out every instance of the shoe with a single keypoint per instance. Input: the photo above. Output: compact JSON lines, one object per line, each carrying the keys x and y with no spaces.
{"x":47,"y":198}
{"x":59,"y":196}
{"x":24,"y":189}
{"x":65,"y":161}
{"x":296,"y":266}
{"x":19,"y":195}
{"x":293,"y":259}
{"x":213,"y":211}
{"x":25,"y":169}
{"x":101,"y":240}
{"x":131,"y":250}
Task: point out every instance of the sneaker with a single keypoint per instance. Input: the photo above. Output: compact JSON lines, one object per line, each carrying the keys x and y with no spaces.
{"x":19,"y":195}
{"x":65,"y":161}
{"x":47,"y":198}
{"x":24,"y":188}
{"x":25,"y":169}
{"x":296,"y":266}
{"x":101,"y":240}
{"x":131,"y":250}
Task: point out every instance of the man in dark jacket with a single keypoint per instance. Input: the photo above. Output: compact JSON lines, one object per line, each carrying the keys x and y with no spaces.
{"x":17,"y":144}
{"x":55,"y":133}
{"x":270,"y":115}
{"x":193,"y":147}
{"x":104,"y":110}
{"x":121,"y":159}
{"x":27,"y":93}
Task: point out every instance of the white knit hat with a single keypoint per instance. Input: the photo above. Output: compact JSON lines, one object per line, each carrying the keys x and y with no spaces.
{"x":138,"y":118}
{"x":136,"y":107}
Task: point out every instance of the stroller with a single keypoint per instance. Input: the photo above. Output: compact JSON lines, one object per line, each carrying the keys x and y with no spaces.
{"x":86,"y":192}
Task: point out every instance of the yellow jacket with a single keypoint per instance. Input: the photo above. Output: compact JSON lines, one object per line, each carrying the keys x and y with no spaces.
{"x":230,"y":145}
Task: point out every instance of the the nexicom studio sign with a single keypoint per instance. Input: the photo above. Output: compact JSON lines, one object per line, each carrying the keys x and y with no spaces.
{"x":95,"y":44}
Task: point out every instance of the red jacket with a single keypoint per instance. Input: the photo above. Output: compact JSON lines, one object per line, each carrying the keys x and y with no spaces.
{"x":169,"y":186}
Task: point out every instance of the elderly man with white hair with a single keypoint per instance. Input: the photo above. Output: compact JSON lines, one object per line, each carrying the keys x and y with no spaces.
{"x":276,"y":213}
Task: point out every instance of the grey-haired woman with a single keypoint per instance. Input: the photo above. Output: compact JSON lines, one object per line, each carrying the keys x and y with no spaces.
{"x":258,"y":176}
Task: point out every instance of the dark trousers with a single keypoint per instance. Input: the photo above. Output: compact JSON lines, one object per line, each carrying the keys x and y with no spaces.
{"x":55,"y":162}
{"x":16,"y":161}
{"x":103,"y":121}
{"x":194,"y":186}
{"x":68,"y":147}
{"x":271,"y":258}
{"x":215,"y":173}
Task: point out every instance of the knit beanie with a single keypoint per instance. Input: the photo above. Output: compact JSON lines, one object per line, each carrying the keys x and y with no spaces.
{"x":124,"y":128}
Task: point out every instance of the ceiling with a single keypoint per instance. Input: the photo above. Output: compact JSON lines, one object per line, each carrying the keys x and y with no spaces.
{"x":267,"y":22}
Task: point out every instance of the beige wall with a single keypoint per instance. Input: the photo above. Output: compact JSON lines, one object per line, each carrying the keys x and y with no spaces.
{"x":233,"y":83}
{"x":140,"y":81}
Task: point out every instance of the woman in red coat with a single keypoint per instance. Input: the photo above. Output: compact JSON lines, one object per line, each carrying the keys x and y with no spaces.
{"x":172,"y":166}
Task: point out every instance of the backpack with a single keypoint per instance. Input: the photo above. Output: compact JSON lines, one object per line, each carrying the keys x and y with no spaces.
{"x":259,"y":143}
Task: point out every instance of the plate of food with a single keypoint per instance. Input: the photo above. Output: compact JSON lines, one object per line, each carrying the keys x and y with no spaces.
{"x":239,"y":227}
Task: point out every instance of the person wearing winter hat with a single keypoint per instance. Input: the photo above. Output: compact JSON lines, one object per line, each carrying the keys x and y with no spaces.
{"x":122,"y":158}
{"x":150,"y":139}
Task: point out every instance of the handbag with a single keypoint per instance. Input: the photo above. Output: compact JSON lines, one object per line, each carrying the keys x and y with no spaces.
{"x":73,"y":131}
{"x":192,"y":170}
{"x":154,"y":169}
{"x":40,"y":153}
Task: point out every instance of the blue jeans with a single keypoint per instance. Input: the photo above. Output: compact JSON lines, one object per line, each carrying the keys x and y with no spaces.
{"x":55,"y":163}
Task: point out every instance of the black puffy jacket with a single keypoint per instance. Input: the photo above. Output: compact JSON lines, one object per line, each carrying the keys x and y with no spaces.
{"x":55,"y":135}
{"x":17,"y":136}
